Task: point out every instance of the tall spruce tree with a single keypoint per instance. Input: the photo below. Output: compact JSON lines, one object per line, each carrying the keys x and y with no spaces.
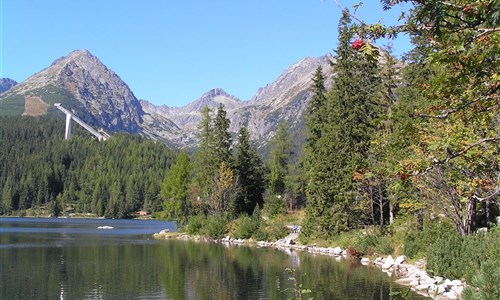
{"x":281,"y":151}
{"x":222,"y":137}
{"x":342,"y":147}
{"x":175,"y":189}
{"x":250,"y":172}
{"x":204,"y":166}
{"x":316,"y":111}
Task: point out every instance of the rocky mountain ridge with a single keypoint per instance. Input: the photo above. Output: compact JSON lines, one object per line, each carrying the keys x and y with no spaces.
{"x":284,"y":100}
{"x":6,"y":84}
{"x":97,"y":95}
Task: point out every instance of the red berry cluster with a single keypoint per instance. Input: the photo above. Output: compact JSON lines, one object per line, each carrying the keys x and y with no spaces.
{"x":358,"y":44}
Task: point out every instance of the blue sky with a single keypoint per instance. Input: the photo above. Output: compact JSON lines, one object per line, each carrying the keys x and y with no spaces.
{"x":172,"y":51}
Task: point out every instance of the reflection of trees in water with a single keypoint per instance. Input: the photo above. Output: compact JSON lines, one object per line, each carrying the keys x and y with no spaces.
{"x":211,"y":271}
{"x":180,"y":270}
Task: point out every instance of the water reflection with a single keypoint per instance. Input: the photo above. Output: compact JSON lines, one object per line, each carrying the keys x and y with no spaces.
{"x":133,"y":267}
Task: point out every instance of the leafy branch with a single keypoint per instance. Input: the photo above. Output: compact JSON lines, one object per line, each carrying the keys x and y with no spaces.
{"x":454,"y":155}
{"x":298,"y":289}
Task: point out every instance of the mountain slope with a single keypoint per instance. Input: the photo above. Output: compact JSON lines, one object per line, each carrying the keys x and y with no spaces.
{"x":284,"y":100}
{"x":98,"y":96}
{"x":6,"y":84}
{"x":82,"y":83}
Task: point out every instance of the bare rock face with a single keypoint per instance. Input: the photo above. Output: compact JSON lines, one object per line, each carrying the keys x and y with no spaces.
{"x":85,"y":85}
{"x":6,"y":84}
{"x":284,"y":100}
{"x":99,"y":97}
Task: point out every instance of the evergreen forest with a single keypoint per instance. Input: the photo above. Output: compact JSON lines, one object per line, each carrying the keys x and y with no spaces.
{"x":407,"y":149}
{"x":41,"y":173}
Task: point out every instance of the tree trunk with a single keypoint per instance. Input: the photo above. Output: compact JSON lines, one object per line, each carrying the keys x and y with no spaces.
{"x":381,"y":206}
{"x":391,"y":213}
{"x":420,"y":220}
{"x":470,"y":216}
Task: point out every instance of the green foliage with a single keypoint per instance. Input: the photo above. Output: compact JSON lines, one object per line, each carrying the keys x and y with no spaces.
{"x":222,"y":139}
{"x":298,"y":289}
{"x":274,"y":206}
{"x":271,"y":231}
{"x":457,"y":256}
{"x":195,"y":224}
{"x":114,"y":178}
{"x":280,"y":153}
{"x":486,"y":284}
{"x":174,"y":190}
{"x":337,"y":148}
{"x":215,"y":226}
{"x":246,"y":227}
{"x":249,"y":170}
{"x":373,"y":243}
{"x":416,"y":242}
{"x":204,"y":166}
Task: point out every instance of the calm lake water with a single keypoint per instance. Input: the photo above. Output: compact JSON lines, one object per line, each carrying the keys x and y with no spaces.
{"x":72,"y":259}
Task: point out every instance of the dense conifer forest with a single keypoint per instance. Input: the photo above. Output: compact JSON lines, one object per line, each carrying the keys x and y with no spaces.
{"x":408,"y":149}
{"x":42,"y":171}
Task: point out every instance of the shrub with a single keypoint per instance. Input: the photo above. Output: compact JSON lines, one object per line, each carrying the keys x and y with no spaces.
{"x":486,"y":284}
{"x":245,"y":227}
{"x":369,"y":244}
{"x":216,"y":226}
{"x":271,"y":232}
{"x":417,"y":242}
{"x":456,"y":256}
{"x":384,"y":245}
{"x":278,"y":231}
{"x":261,"y":234}
{"x":274,"y":206}
{"x":444,"y":257}
{"x":195,"y":224}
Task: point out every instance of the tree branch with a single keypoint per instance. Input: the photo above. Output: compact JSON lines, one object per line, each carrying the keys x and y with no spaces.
{"x":347,"y":12}
{"x":487,"y":31}
{"x":447,"y":113}
{"x":459,"y":153}
{"x":488,"y":197}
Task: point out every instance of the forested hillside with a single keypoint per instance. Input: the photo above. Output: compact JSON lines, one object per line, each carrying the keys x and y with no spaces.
{"x":41,"y":170}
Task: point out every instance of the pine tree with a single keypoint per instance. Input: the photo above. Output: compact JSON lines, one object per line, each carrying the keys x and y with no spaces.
{"x":341,"y":150}
{"x":280,"y":153}
{"x":204,"y":166}
{"x":222,"y":201}
{"x":222,"y":138}
{"x":316,"y":110}
{"x":250,"y":172}
{"x":175,"y":188}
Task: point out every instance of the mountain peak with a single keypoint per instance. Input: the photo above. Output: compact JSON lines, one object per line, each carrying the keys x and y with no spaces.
{"x":6,"y":84}
{"x":85,"y":84}
{"x":213,"y":98}
{"x":81,"y":54}
{"x":216,"y":92}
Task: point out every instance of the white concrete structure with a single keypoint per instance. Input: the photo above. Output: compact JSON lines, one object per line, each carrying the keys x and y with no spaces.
{"x":101,"y":134}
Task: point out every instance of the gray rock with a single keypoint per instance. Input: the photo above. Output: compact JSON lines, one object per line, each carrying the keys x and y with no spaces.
{"x":337,"y":251}
{"x":388,"y":263}
{"x":399,"y":260}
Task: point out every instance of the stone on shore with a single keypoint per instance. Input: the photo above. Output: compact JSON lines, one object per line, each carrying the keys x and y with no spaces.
{"x":388,"y":263}
{"x":400,"y":260}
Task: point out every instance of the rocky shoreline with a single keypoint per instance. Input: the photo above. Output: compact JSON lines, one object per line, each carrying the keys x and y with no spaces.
{"x":413,"y":276}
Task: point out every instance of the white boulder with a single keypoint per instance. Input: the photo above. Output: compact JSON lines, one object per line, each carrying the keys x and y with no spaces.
{"x":400,"y":260}
{"x":388,"y":263}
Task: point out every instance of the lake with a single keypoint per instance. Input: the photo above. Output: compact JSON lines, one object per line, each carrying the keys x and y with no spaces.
{"x":73,"y":259}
